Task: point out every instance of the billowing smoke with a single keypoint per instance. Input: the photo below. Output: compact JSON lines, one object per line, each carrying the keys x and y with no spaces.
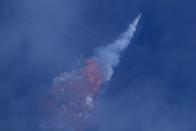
{"x":71,"y":100}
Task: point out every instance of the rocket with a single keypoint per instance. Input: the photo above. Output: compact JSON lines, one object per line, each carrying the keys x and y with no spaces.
{"x":135,"y":22}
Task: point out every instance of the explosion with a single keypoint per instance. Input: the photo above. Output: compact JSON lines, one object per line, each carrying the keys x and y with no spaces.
{"x":71,"y":100}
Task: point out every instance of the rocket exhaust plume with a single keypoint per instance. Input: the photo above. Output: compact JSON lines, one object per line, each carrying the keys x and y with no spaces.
{"x":70,"y":101}
{"x":109,"y":55}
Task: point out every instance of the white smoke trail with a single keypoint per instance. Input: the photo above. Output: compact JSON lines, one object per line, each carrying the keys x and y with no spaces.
{"x":109,"y":56}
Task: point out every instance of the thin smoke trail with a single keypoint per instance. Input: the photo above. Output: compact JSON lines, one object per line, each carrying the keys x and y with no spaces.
{"x":109,"y":55}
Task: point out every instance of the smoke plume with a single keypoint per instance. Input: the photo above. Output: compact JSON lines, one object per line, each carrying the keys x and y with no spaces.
{"x":109,"y":55}
{"x":73,"y":95}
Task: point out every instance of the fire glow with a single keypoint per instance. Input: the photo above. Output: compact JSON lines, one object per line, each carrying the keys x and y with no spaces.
{"x":73,"y":95}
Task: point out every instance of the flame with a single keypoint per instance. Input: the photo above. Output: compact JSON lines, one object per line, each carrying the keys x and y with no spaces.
{"x":72,"y":95}
{"x":92,"y":74}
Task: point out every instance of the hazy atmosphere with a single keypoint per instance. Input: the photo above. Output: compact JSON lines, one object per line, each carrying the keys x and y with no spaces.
{"x":151,"y":89}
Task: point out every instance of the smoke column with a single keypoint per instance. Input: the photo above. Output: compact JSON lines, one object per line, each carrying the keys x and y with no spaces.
{"x":109,"y":56}
{"x":70,"y":102}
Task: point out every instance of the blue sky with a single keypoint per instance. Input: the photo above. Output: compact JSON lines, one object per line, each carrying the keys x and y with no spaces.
{"x":152,"y":89}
